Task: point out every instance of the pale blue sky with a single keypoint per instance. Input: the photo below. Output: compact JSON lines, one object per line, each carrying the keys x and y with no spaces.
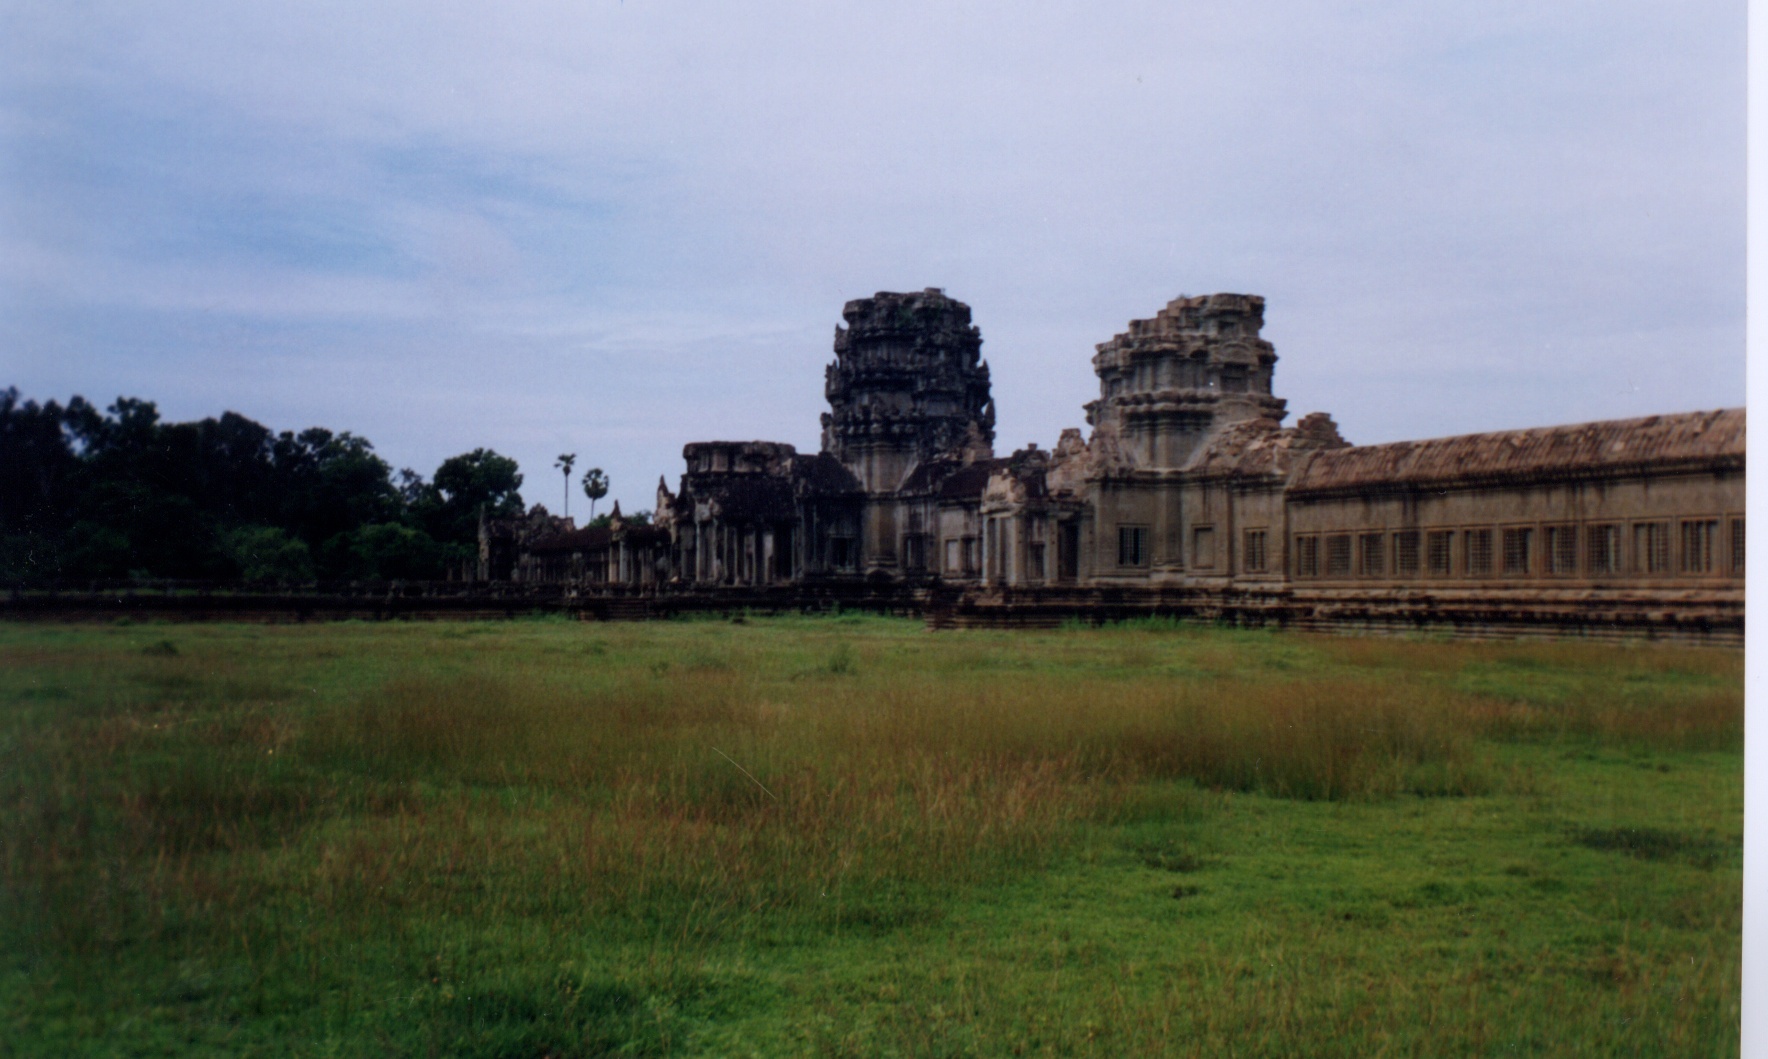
{"x":613,"y":228}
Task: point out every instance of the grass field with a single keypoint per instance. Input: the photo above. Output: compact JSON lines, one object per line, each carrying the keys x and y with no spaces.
{"x":849,"y":836}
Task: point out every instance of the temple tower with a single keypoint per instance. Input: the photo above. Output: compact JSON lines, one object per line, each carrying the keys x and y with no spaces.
{"x":1168,"y":383}
{"x":908,"y":384}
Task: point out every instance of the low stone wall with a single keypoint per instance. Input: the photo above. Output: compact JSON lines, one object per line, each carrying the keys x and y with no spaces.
{"x":1690,"y":616}
{"x":331,"y":603}
{"x":189,"y":601}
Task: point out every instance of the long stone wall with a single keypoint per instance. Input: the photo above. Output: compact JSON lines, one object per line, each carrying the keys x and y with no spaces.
{"x":445,"y":600}
{"x":1701,"y":617}
{"x":1709,"y":618}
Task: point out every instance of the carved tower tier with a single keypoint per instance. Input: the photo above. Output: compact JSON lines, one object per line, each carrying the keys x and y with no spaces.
{"x":1168,"y":383}
{"x":908,"y":384}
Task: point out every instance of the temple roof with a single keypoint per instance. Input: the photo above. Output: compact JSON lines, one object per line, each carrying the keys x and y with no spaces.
{"x":580,"y":540}
{"x":950,"y":479}
{"x":752,"y":497}
{"x":597,"y":538}
{"x":1616,"y":446}
{"x":969,"y":480}
{"x":824,"y":475}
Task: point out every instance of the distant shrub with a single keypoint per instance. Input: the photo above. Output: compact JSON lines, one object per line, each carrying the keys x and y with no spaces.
{"x":268,"y":553}
{"x":385,"y":551}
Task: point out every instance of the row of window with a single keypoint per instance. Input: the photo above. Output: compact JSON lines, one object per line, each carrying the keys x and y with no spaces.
{"x":963,"y":556}
{"x":1686,"y":546}
{"x":1132,"y":547}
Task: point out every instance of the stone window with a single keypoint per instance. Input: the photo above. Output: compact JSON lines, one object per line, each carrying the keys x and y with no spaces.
{"x":1698,"y":538}
{"x":1369,"y":553}
{"x":1203,"y":547}
{"x":1737,"y":546}
{"x":1479,"y":552}
{"x":1406,"y":552}
{"x":1307,"y":556}
{"x":1436,"y":551}
{"x":1562,"y":550}
{"x":1602,"y":549}
{"x":1651,"y":548}
{"x":1132,"y":545}
{"x":1519,"y":543}
{"x":954,"y":561}
{"x":914,"y":552}
{"x":1255,"y":559}
{"x":1068,"y":550}
{"x":841,"y":553}
{"x":972,"y":555}
{"x":1034,"y":560}
{"x":1338,"y":555}
{"x":782,"y":553}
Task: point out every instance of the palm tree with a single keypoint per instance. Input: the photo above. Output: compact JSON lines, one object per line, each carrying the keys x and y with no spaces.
{"x":595,"y":486}
{"x":564,"y":463}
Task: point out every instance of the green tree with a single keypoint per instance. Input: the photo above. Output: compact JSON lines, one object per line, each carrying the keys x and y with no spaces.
{"x":39,"y":488}
{"x":595,"y":486}
{"x":564,"y":463}
{"x":327,"y":484}
{"x":637,"y":518}
{"x":86,"y":493}
{"x":473,"y":483}
{"x":386,"y":551}
{"x":268,"y":553}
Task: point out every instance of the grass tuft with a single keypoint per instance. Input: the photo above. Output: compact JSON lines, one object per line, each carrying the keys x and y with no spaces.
{"x":1652,"y":843}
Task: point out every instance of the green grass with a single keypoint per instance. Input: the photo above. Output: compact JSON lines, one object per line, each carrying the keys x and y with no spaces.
{"x":848,"y":836}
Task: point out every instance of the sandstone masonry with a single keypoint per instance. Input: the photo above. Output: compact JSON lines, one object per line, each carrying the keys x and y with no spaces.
{"x":1188,"y":496}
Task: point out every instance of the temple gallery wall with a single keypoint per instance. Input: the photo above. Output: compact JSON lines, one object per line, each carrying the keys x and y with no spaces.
{"x":1187,"y":494}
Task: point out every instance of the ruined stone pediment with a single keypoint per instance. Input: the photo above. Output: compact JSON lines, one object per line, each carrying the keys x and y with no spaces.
{"x":1004,"y":489}
{"x":1104,"y":455}
{"x":1255,"y":448}
{"x":977,"y":445}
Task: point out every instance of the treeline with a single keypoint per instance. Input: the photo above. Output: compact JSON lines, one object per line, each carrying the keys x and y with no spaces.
{"x":87,"y":495}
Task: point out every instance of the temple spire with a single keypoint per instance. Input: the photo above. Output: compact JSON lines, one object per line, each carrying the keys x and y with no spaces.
{"x":908,"y":384}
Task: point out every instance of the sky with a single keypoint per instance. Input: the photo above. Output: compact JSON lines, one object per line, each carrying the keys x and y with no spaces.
{"x":611,"y":228}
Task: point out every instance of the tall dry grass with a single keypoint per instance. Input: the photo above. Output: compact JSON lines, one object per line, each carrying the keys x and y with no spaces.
{"x":851,"y":798}
{"x":1644,"y":695}
{"x":688,"y":792}
{"x":723,"y":787}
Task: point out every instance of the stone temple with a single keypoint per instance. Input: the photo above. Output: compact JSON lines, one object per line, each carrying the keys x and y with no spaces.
{"x":1188,"y":496}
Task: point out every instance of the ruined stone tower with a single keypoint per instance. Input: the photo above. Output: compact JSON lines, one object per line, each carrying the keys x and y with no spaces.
{"x":907,"y":385}
{"x":1168,"y":383}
